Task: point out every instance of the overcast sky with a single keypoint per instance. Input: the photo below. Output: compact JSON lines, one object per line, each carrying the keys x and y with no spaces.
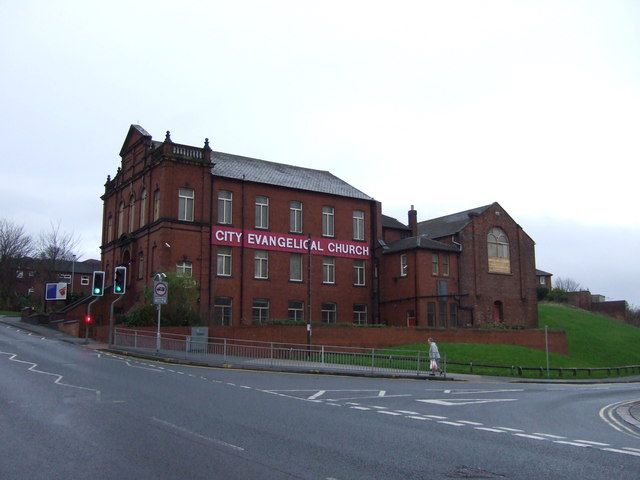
{"x":442,"y":105}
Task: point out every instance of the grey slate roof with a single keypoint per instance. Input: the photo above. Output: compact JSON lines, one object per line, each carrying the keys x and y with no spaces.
{"x":289,"y":176}
{"x":449,"y":224}
{"x":542,"y":273}
{"x":390,"y":222}
{"x":421,"y":241}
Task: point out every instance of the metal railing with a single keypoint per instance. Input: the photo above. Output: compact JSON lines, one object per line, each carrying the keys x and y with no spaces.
{"x":273,"y":355}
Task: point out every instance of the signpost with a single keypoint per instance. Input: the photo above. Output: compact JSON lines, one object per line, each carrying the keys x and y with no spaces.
{"x":160,"y":297}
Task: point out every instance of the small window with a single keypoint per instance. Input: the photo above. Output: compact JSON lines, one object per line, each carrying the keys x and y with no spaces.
{"x":225,"y":207}
{"x":262,"y":212}
{"x":445,"y":265}
{"x":360,"y":314}
{"x":261,"y":264}
{"x":143,"y":207}
{"x":328,"y":313}
{"x":434,"y":264}
{"x":84,"y":280}
{"x":184,"y":269}
{"x":328,"y":270}
{"x":296,"y":311}
{"x":358,"y":272}
{"x":358,"y":225}
{"x":442,"y":311}
{"x":431,"y":314}
{"x":64,"y":276}
{"x":222,"y":311}
{"x":327,"y":222}
{"x":185,"y":204}
{"x":453,"y":314}
{"x":295,"y":267}
{"x":223,"y":268}
{"x":140,"y":265}
{"x":442,"y":288}
{"x":404,"y":266}
{"x":542,"y":281}
{"x":260,"y":311}
{"x":295,"y":217}
{"x":121,"y":219}
{"x":109,"y":229}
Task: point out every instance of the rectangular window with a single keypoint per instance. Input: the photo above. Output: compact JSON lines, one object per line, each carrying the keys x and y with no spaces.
{"x":140,"y":265}
{"x":358,"y":272}
{"x":222,"y":311}
{"x":328,"y":313}
{"x":328,"y":270}
{"x":295,"y":267}
{"x":442,"y":314}
{"x":442,"y":288}
{"x":358,"y":225}
{"x":404,"y":266}
{"x":296,"y":311}
{"x":260,"y":311}
{"x":542,"y":279}
{"x":225,"y":204}
{"x":143,"y":208}
{"x":327,"y":222}
{"x":84,"y":280}
{"x":109,"y":229}
{"x":431,"y":314}
{"x":121,"y":220}
{"x":64,"y":276}
{"x":132,"y":213}
{"x":261,"y":264}
{"x":453,"y":314}
{"x":185,"y":204}
{"x":445,"y":265}
{"x":434,"y":264}
{"x":295,"y":217}
{"x":360,"y":314}
{"x":184,"y":269}
{"x":262,"y":212}
{"x":224,"y":262}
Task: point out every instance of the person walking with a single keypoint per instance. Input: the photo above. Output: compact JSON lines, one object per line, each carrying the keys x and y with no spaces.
{"x":434,"y":357}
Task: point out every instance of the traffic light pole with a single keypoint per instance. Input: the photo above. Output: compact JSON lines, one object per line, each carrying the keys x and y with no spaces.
{"x":111,"y":319}
{"x":86,"y":325}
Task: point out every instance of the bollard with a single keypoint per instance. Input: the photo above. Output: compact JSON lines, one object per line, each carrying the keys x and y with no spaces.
{"x":471,"y":367}
{"x":520,"y":371}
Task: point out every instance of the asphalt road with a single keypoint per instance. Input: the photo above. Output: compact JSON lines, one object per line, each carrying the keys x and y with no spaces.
{"x":68,"y":411}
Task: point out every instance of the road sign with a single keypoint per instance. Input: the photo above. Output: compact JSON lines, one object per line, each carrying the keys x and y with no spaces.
{"x":56,"y":291}
{"x":160,"y":293}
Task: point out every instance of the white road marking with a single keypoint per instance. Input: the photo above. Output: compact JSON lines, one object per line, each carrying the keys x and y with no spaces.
{"x":487,"y":429}
{"x":333,"y":404}
{"x":437,"y":417}
{"x":575,"y":444}
{"x":534,"y":437}
{"x":465,"y":401}
{"x":455,"y":424}
{"x":597,"y":444}
{"x":607,"y":414}
{"x":472,"y":391}
{"x":408,"y":412}
{"x":387,"y":412}
{"x":184,"y":430}
{"x":360,"y":408}
{"x":558,"y":437}
{"x":510,"y":429}
{"x":417,"y":418}
{"x":378,"y":408}
{"x":632,"y":449}
{"x":316,"y":395}
{"x":466,"y":422}
{"x":244,"y":386}
{"x":382,"y":393}
{"x":627,"y":452}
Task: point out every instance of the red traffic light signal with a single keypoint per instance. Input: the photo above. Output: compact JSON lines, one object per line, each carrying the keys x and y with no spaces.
{"x":88,"y":319}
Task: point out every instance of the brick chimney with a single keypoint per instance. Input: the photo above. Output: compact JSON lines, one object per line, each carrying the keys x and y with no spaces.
{"x":413,"y":222}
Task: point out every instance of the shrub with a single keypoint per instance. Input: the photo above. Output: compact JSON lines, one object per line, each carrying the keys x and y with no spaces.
{"x":557,"y":295}
{"x":542,"y":293}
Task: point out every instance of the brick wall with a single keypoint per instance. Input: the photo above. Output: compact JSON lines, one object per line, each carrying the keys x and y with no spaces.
{"x":614,"y":308}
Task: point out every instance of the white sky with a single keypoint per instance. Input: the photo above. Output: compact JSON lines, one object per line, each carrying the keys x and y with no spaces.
{"x":443,"y":105}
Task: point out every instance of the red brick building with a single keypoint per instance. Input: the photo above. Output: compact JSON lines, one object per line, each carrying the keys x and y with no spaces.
{"x":266,"y":241}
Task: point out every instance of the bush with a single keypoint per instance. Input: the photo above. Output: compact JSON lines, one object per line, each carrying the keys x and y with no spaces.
{"x":542,"y":293}
{"x":557,"y":295}
{"x":141,"y":316}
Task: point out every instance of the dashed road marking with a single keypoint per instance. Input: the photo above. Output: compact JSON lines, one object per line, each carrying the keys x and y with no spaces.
{"x":597,"y":444}
{"x":414,"y":417}
{"x":516,"y":430}
{"x":557,"y":437}
{"x":487,"y":429}
{"x":626,"y":452}
{"x":455,"y":424}
{"x":534,"y":437}
{"x":386,"y":412}
{"x":575,"y":444}
{"x":359,"y":408}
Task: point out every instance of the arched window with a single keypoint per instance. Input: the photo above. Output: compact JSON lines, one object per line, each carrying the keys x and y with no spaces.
{"x":156,"y":204}
{"x":121,"y":219}
{"x":498,"y":251}
{"x":143,"y":207}
{"x":132,"y":212}
{"x":109,"y":229}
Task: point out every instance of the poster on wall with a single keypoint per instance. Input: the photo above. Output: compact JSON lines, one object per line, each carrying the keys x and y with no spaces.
{"x":56,"y":291}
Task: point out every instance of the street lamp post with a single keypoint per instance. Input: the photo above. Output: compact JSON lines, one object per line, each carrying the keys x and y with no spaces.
{"x":73,"y":270}
{"x":158,"y":277}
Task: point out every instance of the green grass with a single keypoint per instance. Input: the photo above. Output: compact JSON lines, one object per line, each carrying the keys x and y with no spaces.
{"x":595,"y":341}
{"x":9,"y":314}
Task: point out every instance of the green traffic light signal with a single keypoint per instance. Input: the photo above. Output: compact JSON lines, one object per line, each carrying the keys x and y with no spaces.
{"x":119,"y":280}
{"x":98,"y":284}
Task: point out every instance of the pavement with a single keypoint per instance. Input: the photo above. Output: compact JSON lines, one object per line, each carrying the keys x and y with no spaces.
{"x":632,"y":412}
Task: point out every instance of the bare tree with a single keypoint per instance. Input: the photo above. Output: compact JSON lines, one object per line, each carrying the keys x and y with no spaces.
{"x":15,"y":246}
{"x":568,"y":284}
{"x":54,"y":247}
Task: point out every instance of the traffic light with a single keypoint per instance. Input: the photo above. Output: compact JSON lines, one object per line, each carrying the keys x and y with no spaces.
{"x":88,"y":319}
{"x":120,"y":281}
{"x":97,"y":289}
